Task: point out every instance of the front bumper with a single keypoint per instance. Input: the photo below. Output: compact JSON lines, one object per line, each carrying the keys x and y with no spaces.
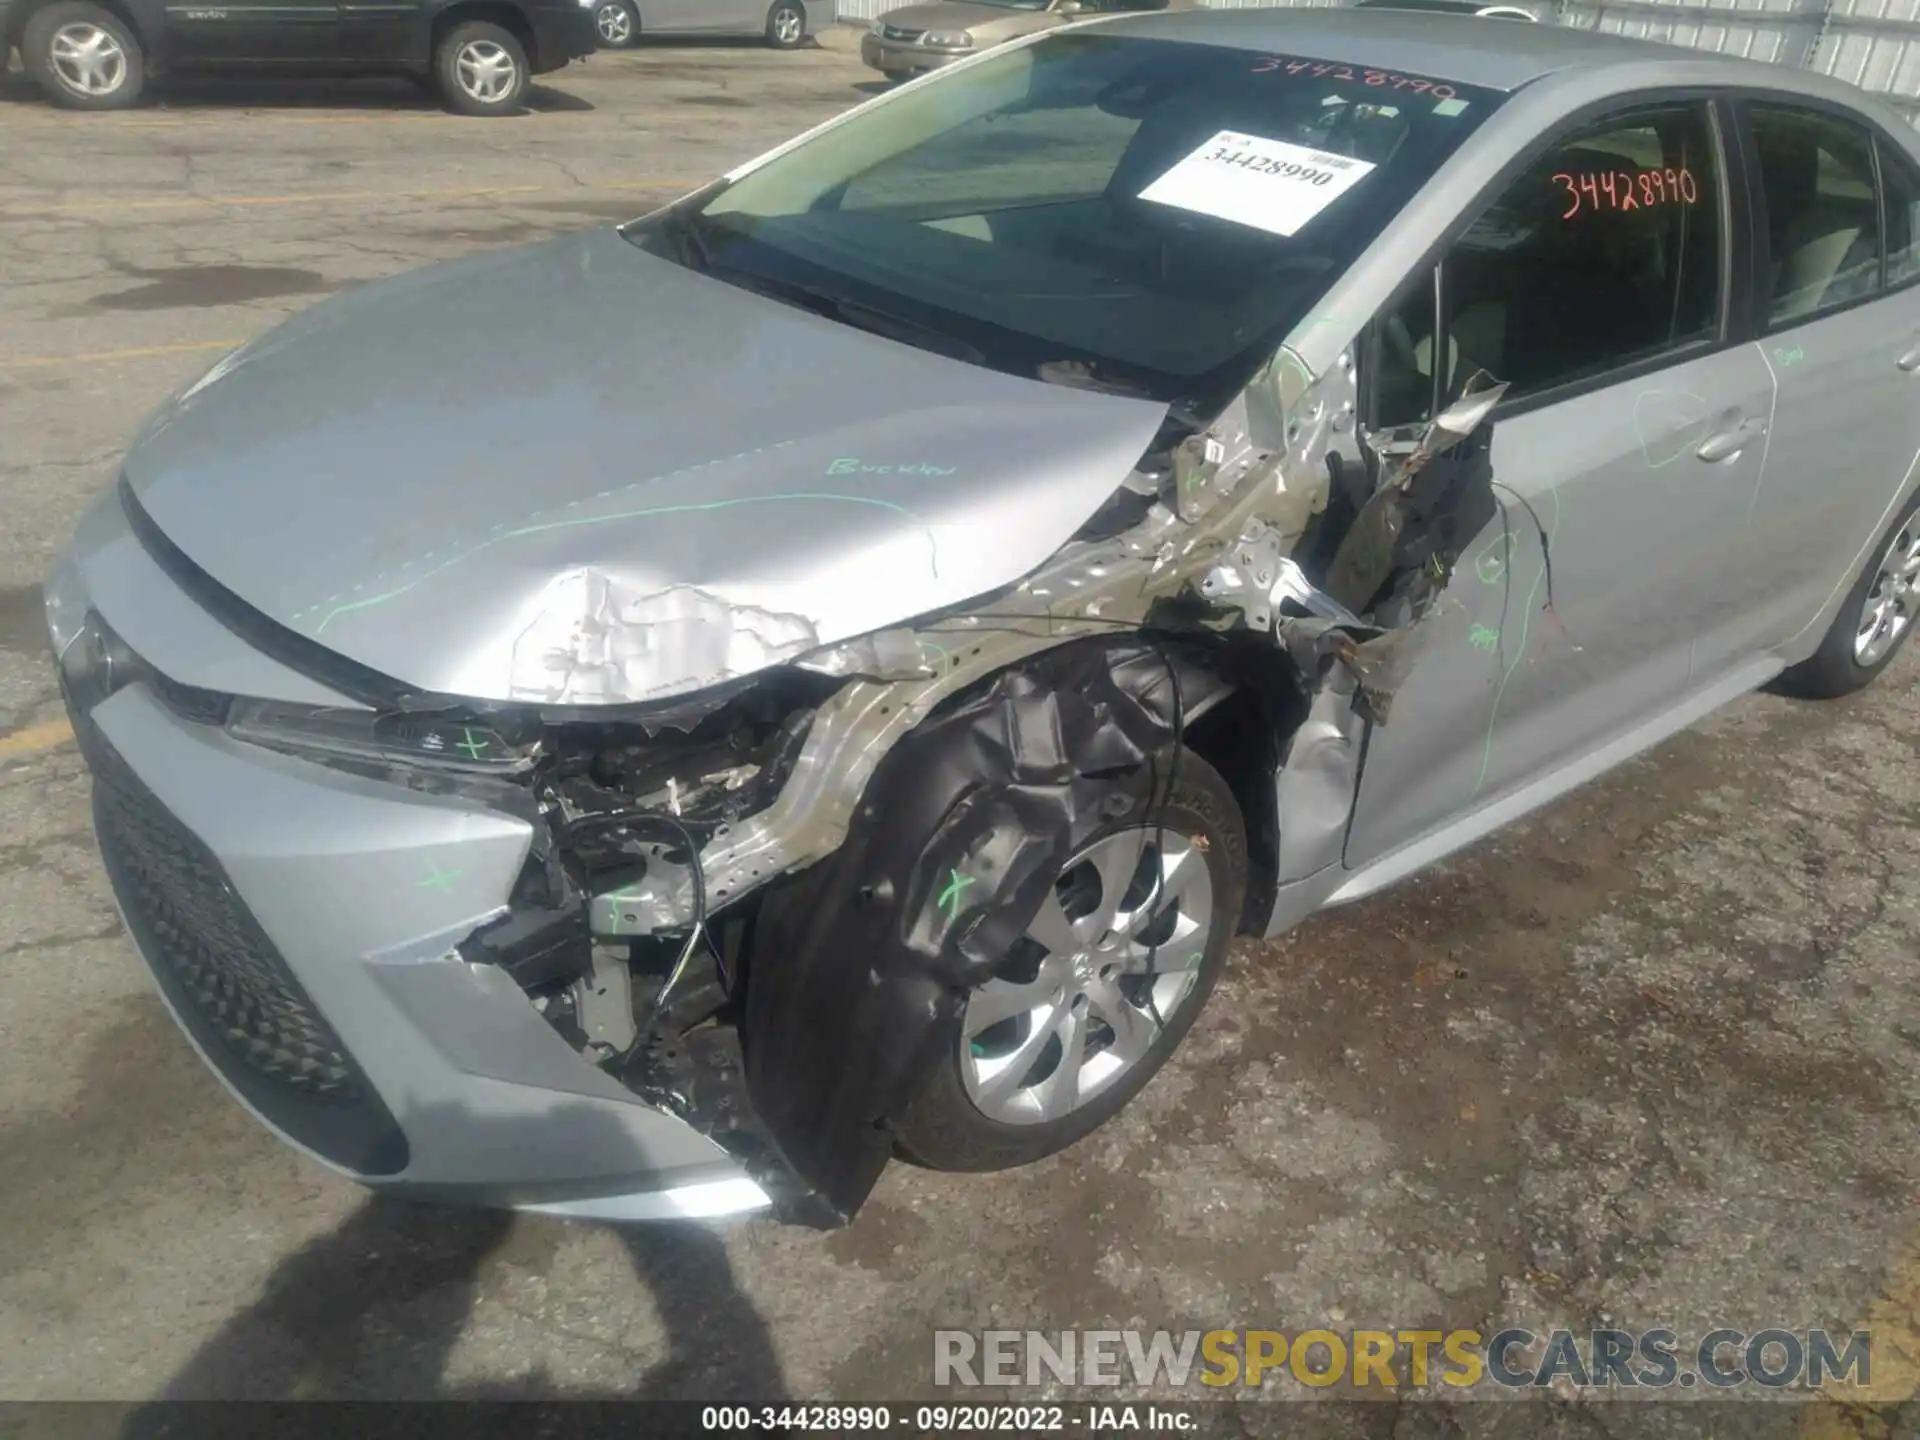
{"x":561,"y":33}
{"x":900,"y":57}
{"x":301,"y":925}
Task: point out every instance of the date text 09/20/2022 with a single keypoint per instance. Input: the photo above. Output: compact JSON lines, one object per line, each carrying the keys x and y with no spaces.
{"x":938,"y":1419}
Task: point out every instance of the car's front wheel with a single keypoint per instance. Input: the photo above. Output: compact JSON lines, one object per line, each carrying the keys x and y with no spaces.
{"x":482,"y":70}
{"x":617,"y":23}
{"x":1098,"y":992}
{"x":83,"y":57}
{"x":1874,"y":621}
{"x":786,"y":25}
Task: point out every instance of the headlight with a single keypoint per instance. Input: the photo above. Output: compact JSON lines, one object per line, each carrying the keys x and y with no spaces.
{"x":438,"y":742}
{"x":94,"y":662}
{"x":947,"y":39}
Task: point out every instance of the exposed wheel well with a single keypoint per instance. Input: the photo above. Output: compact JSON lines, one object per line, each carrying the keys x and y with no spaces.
{"x":507,"y":17}
{"x":1244,"y":700}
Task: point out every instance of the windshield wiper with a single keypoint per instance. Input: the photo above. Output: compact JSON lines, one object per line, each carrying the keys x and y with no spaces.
{"x":696,"y":253}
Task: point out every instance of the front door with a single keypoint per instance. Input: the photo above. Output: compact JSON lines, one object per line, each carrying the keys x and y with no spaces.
{"x":279,"y":32}
{"x":1627,"y":452}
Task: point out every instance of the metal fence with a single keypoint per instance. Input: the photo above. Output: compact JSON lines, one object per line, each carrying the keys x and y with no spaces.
{"x":1873,"y":43}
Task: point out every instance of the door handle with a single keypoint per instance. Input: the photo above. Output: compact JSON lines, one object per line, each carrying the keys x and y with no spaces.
{"x":1910,"y":361}
{"x":1727,"y":444}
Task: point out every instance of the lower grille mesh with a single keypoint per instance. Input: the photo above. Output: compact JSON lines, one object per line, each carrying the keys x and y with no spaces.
{"x":228,"y":981}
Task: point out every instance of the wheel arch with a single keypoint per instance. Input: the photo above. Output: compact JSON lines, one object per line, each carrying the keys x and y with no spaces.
{"x":510,"y":18}
{"x":144,"y":20}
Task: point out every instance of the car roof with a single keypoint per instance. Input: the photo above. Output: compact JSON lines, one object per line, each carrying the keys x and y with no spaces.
{"x":1464,"y":49}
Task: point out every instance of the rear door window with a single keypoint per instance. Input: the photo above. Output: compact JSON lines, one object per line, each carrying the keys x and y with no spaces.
{"x":1901,"y":185}
{"x":1820,"y":228}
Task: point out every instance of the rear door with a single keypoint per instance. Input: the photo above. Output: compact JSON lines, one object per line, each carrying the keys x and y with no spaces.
{"x":1838,"y":303}
{"x":280,"y":32}
{"x":1627,"y":453}
{"x":693,"y":16}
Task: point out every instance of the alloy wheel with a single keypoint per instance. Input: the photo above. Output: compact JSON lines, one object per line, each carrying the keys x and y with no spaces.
{"x":1112,"y":955}
{"x":485,"y":69}
{"x":88,"y":59}
{"x":787,"y":25}
{"x":615,"y":23}
{"x":1892,"y":599}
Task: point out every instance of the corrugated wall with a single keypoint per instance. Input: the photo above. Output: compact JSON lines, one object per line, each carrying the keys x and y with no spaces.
{"x":1873,"y":43}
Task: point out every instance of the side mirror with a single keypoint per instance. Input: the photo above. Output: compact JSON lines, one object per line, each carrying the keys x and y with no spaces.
{"x":1067,"y":7}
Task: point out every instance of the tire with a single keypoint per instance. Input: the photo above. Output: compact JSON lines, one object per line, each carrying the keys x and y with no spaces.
{"x":481,"y":69}
{"x":72,"y":47}
{"x":1889,"y":586}
{"x":618,"y":24}
{"x":960,"y":1120}
{"x":786,"y":25}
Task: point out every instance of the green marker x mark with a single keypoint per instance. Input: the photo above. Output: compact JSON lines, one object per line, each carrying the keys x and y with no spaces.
{"x":474,"y":748}
{"x":950,"y":897}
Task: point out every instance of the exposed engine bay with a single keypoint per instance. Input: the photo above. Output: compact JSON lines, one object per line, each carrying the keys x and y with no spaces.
{"x":735,"y":901}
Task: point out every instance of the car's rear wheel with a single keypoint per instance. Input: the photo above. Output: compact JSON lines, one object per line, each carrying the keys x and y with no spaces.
{"x":1874,"y":621}
{"x":617,"y":23}
{"x":83,"y":57}
{"x":482,"y":70}
{"x":1098,"y":992}
{"x":786,"y":25}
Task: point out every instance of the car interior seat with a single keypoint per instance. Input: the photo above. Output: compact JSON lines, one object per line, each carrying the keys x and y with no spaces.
{"x":1823,"y":247}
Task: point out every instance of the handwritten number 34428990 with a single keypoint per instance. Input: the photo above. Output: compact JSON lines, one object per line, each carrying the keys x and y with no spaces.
{"x":1379,"y":79}
{"x":1626,"y":189}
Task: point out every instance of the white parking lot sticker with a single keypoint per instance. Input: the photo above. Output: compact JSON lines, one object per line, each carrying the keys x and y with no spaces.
{"x":1268,"y":184}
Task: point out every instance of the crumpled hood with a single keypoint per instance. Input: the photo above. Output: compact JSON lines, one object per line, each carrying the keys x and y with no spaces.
{"x":575,"y":473}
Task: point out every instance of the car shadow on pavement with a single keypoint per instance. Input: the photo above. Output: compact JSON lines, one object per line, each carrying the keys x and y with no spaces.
{"x":377,"y":1308}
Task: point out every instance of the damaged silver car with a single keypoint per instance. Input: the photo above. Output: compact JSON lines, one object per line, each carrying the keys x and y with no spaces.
{"x":664,"y":721}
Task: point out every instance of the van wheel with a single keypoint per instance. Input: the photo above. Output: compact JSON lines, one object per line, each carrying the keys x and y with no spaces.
{"x":1874,"y":621}
{"x":1098,"y":993}
{"x":482,"y":70}
{"x":786,"y":25}
{"x":83,"y":57}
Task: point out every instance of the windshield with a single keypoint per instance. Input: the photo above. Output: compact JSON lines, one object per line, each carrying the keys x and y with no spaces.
{"x":1144,"y":216}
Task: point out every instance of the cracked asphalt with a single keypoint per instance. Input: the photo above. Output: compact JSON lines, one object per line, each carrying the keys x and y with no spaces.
{"x":1650,"y":1059}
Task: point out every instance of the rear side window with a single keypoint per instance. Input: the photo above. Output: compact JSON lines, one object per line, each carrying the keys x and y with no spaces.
{"x":1902,"y":189}
{"x":1822,"y":218}
{"x":1604,"y":253}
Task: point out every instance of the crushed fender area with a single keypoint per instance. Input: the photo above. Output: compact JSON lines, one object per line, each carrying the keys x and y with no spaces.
{"x":860,"y":965}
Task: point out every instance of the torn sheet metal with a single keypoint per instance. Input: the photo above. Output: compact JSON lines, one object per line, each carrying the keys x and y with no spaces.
{"x":858,"y":967}
{"x":1263,"y":462}
{"x":596,"y":640}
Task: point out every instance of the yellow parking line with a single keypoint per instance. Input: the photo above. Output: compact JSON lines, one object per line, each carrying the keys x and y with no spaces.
{"x":36,"y":737}
{"x":96,"y":357}
{"x":329,"y":197}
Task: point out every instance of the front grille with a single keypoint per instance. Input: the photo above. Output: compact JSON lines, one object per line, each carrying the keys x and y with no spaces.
{"x":895,"y":32}
{"x":227,"y":981}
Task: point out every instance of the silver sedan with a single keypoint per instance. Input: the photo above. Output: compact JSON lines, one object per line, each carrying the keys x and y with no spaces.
{"x":668,"y":720}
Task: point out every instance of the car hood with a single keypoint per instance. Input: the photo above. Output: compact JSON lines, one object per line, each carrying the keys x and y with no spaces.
{"x":959,"y":15}
{"x":575,"y":473}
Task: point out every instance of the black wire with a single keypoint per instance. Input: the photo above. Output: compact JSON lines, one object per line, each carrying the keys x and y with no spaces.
{"x":638,"y":819}
{"x":1546,"y":541}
